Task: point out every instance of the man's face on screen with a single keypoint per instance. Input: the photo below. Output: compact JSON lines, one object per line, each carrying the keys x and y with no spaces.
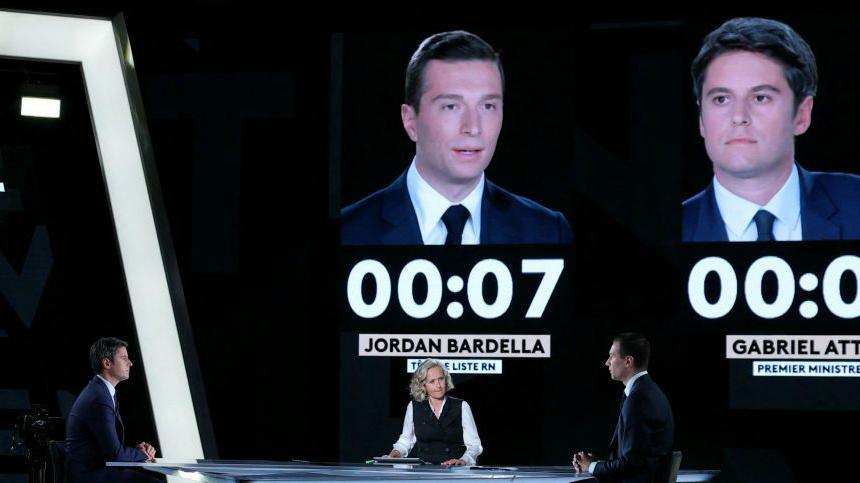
{"x":458,"y":123}
{"x":747,"y":116}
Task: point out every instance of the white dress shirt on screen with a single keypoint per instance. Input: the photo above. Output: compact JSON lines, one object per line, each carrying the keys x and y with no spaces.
{"x":430,"y":205}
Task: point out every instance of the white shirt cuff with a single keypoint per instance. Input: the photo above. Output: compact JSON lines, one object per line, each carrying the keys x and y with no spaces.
{"x":591,"y":467}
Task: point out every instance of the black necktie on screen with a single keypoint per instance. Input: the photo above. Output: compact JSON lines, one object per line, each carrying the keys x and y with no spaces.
{"x":764,"y":225}
{"x":455,"y":219}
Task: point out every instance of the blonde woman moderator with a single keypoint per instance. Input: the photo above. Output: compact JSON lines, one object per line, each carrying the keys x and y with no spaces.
{"x":439,"y":428}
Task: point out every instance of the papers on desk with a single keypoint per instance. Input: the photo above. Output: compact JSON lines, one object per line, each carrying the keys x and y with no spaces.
{"x":385,"y":460}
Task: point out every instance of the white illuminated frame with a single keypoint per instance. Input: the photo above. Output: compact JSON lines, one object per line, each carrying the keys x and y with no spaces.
{"x":93,"y":44}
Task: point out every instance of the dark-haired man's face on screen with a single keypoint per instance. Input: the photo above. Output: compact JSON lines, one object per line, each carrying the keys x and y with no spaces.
{"x":748,"y":118}
{"x":457,"y":125}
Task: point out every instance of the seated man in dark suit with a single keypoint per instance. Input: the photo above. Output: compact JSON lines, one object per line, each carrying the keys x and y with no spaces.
{"x":645,"y":431}
{"x":453,"y":113}
{"x":755,"y":80}
{"x":94,"y":430}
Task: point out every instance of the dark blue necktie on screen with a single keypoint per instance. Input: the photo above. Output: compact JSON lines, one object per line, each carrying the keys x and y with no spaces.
{"x":455,"y":220}
{"x":764,"y":225}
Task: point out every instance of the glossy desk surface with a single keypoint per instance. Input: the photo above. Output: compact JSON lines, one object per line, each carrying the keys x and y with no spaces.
{"x":223,"y":471}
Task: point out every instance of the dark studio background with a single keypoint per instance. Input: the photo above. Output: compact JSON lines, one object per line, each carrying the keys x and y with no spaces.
{"x":264,"y":122}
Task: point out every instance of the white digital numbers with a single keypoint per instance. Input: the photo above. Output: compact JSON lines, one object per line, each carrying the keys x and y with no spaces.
{"x":383,"y":289}
{"x":728,"y":287}
{"x":491,"y":307}
{"x":834,"y":299}
{"x":784,"y":283}
{"x":833,"y":278}
{"x":551,"y":269}
{"x":407,"y":281}
{"x":475,"y":289}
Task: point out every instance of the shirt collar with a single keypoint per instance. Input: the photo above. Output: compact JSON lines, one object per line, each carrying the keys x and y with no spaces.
{"x":111,"y":388}
{"x":738,"y":213}
{"x":785,"y":204}
{"x":629,"y":386}
{"x":430,"y":205}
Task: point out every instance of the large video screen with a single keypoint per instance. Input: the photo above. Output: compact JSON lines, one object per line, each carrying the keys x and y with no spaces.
{"x":596,"y":189}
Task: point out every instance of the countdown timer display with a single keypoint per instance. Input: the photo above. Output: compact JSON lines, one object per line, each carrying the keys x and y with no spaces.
{"x":790,"y":285}
{"x":550,"y":271}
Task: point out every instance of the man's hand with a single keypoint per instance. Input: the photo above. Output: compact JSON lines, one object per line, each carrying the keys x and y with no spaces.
{"x":148,"y":450}
{"x":582,"y":460}
{"x":394,"y":454}
{"x":454,"y":462}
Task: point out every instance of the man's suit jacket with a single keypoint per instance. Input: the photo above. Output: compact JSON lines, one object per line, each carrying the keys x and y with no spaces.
{"x":643,"y":436}
{"x":829,"y":210}
{"x":387,"y":217}
{"x":94,"y":435}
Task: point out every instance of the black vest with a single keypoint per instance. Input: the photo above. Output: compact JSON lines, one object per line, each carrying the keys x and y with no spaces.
{"x":440,"y":439}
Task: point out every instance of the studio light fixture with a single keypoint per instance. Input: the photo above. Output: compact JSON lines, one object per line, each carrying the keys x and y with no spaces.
{"x":40,"y":107}
{"x":40,"y":99}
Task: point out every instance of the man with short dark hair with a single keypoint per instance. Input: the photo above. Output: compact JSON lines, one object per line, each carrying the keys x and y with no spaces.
{"x":754,"y":81}
{"x":645,"y":431}
{"x":453,"y":113}
{"x":94,"y":430}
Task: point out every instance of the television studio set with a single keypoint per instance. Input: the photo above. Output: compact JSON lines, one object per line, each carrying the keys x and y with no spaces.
{"x":313,"y":244}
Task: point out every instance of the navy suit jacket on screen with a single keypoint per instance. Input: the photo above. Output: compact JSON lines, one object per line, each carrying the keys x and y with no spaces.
{"x":94,"y":435}
{"x":387,"y":217}
{"x":829,"y":210}
{"x":643,"y":436}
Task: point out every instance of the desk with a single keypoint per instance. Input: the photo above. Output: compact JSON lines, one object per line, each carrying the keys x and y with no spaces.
{"x":222,"y":471}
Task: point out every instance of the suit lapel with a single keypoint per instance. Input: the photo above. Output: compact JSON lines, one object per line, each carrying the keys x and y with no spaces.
{"x":816,"y":209}
{"x":613,"y":443}
{"x":616,"y":436}
{"x":638,"y":385}
{"x":398,"y":211}
{"x":496,"y":226}
{"x":710,"y":225}
{"x":120,"y":427}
